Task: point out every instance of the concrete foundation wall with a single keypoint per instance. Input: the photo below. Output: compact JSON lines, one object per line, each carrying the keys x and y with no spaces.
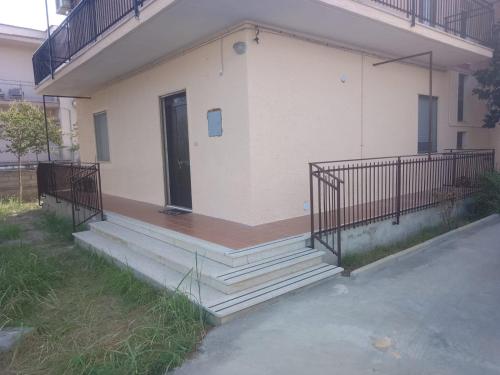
{"x":63,"y":208}
{"x":384,"y":233}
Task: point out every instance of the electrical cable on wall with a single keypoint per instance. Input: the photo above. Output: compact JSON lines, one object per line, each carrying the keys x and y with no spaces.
{"x":221,"y":72}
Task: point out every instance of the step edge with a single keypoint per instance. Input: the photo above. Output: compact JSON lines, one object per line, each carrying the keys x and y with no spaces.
{"x":242,"y":306}
{"x":269,"y":269}
{"x":281,"y":280}
{"x":271,"y":259}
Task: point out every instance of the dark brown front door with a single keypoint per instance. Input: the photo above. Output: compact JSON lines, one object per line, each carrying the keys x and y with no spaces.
{"x":177,"y":151}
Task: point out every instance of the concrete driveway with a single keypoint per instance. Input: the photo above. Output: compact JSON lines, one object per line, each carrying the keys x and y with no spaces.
{"x":436,"y":311}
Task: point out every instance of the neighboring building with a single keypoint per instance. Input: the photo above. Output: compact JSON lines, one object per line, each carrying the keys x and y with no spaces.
{"x":17,"y":46}
{"x":218,"y":106}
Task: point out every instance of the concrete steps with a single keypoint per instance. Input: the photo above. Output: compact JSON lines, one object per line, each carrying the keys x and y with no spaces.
{"x":210,"y":250}
{"x":224,"y":281}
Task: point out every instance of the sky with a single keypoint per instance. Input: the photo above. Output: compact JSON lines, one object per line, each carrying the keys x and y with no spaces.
{"x":28,"y":13}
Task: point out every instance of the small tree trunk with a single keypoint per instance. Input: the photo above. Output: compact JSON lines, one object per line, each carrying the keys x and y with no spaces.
{"x":20,"y":179}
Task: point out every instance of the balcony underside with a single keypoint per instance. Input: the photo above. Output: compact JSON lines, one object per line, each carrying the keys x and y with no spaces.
{"x":161,"y":30}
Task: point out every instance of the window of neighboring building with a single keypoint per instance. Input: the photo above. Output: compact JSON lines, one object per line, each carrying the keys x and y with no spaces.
{"x":460,"y":140}
{"x":101,"y":136}
{"x":461,"y":95}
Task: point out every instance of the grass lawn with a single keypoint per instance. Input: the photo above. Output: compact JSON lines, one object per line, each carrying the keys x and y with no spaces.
{"x":351,"y":262}
{"x":88,"y":316}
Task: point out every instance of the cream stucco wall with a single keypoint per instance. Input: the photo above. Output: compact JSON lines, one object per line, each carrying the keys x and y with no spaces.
{"x":285,"y":102}
{"x":15,"y":63}
{"x":213,"y":76}
{"x":309,"y":102}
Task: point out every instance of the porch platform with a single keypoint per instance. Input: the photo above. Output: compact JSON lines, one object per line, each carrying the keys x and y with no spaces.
{"x":238,"y":236}
{"x":221,"y":232}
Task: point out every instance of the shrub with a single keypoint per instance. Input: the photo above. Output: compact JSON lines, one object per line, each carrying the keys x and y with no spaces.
{"x":447,"y":203}
{"x":487,"y":200}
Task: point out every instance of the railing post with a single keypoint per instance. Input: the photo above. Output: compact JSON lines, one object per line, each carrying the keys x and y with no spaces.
{"x":68,"y":41}
{"x":94,"y":19}
{"x":398,"y":191}
{"x":493,"y":160}
{"x":311,"y":202}
{"x":432,"y":12}
{"x":339,"y":239}
{"x":413,"y":12}
{"x":100,"y":191}
{"x":136,"y":8}
{"x":463,"y":24}
{"x":71,"y":180}
{"x":38,"y":183}
{"x":454,"y":171}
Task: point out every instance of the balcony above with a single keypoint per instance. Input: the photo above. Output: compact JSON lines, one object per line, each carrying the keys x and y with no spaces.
{"x":469,"y":19}
{"x":101,"y":40}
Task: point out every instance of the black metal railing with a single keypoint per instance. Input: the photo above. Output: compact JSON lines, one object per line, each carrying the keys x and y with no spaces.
{"x":472,"y":19}
{"x":76,"y":183}
{"x":349,"y":193}
{"x":86,"y":22}
{"x":328,"y":189}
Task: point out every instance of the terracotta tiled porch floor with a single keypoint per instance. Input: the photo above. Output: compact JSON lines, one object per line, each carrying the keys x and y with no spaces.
{"x":239,"y":236}
{"x":223,"y":232}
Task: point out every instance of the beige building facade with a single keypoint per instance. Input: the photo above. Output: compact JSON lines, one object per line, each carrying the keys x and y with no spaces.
{"x":286,"y":98}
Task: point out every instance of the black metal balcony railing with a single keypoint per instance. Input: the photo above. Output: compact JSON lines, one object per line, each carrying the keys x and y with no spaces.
{"x":472,"y":19}
{"x":349,"y":193}
{"x":86,"y":22}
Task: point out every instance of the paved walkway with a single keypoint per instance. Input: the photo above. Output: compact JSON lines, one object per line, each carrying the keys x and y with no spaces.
{"x":433,"y":312}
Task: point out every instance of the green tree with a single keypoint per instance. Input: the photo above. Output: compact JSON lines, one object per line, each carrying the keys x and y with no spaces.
{"x":22,"y":126}
{"x":489,"y":86}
